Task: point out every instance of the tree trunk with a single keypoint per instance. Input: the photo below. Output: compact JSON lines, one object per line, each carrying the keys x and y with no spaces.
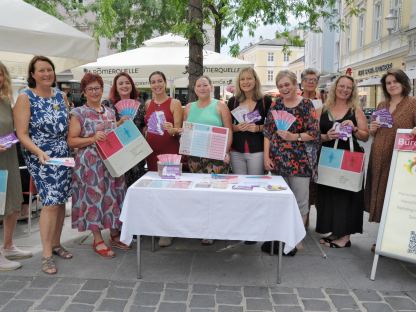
{"x":217,"y":39}
{"x":195,"y":65}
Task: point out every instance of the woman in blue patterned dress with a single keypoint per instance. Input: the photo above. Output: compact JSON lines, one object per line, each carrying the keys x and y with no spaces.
{"x":41,"y":120}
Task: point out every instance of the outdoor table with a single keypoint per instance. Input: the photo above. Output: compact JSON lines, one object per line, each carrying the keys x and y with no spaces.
{"x":162,"y":208}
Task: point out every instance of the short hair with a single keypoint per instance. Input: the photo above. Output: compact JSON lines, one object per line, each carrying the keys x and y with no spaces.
{"x":158,"y":73}
{"x":401,"y":78}
{"x":90,"y":78}
{"x":352,"y":102}
{"x":286,"y":73}
{"x":113,"y":94}
{"x":31,"y":69}
{"x":239,"y":95}
{"x":6,"y":89}
{"x":310,"y":71}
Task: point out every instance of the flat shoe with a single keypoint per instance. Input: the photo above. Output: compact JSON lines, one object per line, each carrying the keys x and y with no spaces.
{"x":106,"y":253}
{"x":327,"y":239}
{"x":116,"y":243}
{"x":333,"y":245}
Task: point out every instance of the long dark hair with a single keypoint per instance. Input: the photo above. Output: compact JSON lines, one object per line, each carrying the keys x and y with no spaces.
{"x":30,"y":80}
{"x":113,"y":95}
{"x":401,"y":78}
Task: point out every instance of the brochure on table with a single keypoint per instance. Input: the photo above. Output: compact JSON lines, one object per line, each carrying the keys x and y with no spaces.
{"x":203,"y":141}
{"x":397,"y":232}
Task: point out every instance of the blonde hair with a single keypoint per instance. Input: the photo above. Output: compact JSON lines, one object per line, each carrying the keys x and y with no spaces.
{"x":240,"y":95}
{"x":6,"y":90}
{"x":286,"y":73}
{"x":352,"y":102}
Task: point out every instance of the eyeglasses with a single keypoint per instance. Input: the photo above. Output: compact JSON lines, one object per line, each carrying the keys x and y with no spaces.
{"x":91,"y":90}
{"x":310,"y":80}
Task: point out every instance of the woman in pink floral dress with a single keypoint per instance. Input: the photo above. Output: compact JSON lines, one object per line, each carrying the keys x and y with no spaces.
{"x":97,"y":196}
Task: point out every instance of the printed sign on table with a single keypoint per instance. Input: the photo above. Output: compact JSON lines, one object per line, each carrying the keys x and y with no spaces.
{"x":203,"y":141}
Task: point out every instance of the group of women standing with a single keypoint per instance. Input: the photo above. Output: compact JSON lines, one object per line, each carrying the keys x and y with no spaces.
{"x":46,"y":129}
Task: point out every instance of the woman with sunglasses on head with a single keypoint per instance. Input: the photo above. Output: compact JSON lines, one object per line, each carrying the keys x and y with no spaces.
{"x":41,"y":120}
{"x":97,"y":196}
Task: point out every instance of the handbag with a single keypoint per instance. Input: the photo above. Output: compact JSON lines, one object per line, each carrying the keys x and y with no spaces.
{"x":340,"y":168}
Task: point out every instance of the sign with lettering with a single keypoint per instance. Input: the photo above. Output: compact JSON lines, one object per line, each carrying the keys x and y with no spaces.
{"x":375,"y":69}
{"x":397,"y":232}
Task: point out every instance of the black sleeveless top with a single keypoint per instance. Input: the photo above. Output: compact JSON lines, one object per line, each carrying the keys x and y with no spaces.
{"x":326,"y":124}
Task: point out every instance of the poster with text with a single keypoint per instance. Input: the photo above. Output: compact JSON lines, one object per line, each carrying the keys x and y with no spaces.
{"x":203,"y":141}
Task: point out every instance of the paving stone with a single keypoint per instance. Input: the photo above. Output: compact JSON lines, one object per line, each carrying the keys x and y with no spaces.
{"x":343,"y":302}
{"x":401,"y":303}
{"x":12,"y":285}
{"x":97,"y":285}
{"x":256,"y":292}
{"x":316,"y":305}
{"x":20,"y":278}
{"x":172,"y":307}
{"x":228,"y":297}
{"x":282,"y":290}
{"x":43,"y":282}
{"x":65,"y":289}
{"x":286,"y":299}
{"x":367,"y":295}
{"x":72,"y":281}
{"x":5,"y":296}
{"x":52,"y":303}
{"x":314,"y":293}
{"x":32,"y":293}
{"x":377,"y":307}
{"x":335,"y":291}
{"x":230,"y":308}
{"x":136,"y":308}
{"x":17,"y":306}
{"x":229,"y":287}
{"x":177,"y":286}
{"x":119,"y":293}
{"x":259,"y":304}
{"x":123,"y":284}
{"x":175,"y":295}
{"x":147,"y":299}
{"x":202,"y":301}
{"x":150,"y":287}
{"x":112,"y":305}
{"x":289,"y":309}
{"x":393,"y":293}
{"x":78,"y":307}
{"x":88,"y":297}
{"x":201,"y":310}
{"x":203,"y":289}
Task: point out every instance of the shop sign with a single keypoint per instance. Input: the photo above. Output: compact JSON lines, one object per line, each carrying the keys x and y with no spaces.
{"x":375,"y":69}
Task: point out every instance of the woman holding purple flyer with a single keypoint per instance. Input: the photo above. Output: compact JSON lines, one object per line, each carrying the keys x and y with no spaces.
{"x":340,"y":212}
{"x":249,"y":109}
{"x":398,"y":110}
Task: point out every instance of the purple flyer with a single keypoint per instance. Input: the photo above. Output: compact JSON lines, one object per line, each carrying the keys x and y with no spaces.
{"x":8,"y":140}
{"x":383,"y":117}
{"x":253,"y":116}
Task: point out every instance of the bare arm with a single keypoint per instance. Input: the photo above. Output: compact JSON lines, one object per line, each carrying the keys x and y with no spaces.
{"x":74,"y":138}
{"x":176,"y":109}
{"x":361,"y":131}
{"x":21,"y":116}
{"x":227,"y":122}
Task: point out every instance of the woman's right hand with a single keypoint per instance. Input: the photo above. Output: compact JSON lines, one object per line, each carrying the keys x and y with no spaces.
{"x":242,"y":126}
{"x":332,"y":134}
{"x":99,"y":136}
{"x":43,"y":157}
{"x":374,"y":125}
{"x":2,"y":148}
{"x":268,"y":163}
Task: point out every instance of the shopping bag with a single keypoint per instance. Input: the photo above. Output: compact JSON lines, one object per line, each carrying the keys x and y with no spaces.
{"x":3,"y":190}
{"x":341,"y":168}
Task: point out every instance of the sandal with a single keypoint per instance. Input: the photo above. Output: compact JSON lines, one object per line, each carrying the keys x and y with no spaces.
{"x":116,"y":243}
{"x":49,"y":265}
{"x":327,"y":239}
{"x":61,"y":252}
{"x":106,"y":252}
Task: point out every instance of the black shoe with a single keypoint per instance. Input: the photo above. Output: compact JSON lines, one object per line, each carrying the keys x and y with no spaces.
{"x":250,"y":242}
{"x":266,"y":246}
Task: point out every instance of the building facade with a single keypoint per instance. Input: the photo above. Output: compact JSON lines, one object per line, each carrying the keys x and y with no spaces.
{"x":269,"y":57}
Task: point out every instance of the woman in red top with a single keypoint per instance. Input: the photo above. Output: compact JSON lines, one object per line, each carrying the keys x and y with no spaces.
{"x":168,"y":142}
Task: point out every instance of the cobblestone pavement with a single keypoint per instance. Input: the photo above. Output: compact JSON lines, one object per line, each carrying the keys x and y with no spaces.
{"x":21,"y":293}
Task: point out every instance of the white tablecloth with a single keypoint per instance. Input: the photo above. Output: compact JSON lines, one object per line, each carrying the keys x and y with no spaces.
{"x":257,"y":215}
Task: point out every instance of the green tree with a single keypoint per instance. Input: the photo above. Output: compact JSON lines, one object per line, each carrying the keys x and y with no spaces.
{"x":68,"y":7}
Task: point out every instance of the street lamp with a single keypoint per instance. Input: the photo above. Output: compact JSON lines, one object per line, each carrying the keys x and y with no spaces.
{"x":390,"y":21}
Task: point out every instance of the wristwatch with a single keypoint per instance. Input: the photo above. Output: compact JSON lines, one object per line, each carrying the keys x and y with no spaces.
{"x":299,"y":138}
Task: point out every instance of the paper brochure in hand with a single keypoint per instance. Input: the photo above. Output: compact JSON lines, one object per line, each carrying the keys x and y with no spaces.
{"x":8,"y":140}
{"x":65,"y":161}
{"x":127,"y":108}
{"x":283,"y":119}
{"x":155,"y":123}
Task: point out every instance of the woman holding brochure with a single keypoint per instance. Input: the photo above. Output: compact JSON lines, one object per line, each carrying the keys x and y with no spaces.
{"x":340,"y":212}
{"x":9,"y":162}
{"x":249,"y":109}
{"x":97,"y":196}
{"x":41,"y":120}
{"x":289,"y":124}
{"x":209,"y":111}
{"x":402,"y":109}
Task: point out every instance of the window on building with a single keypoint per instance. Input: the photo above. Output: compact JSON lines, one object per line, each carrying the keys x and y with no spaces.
{"x":286,"y":57}
{"x":270,"y":75}
{"x":377,"y":20}
{"x":270,"y":57}
{"x":396,"y":7}
{"x":361,"y":33}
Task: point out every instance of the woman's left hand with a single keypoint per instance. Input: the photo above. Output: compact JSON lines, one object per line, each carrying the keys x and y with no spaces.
{"x":122,"y":120}
{"x":285,"y":135}
{"x":348,"y":123}
{"x":252,"y":127}
{"x":168,"y":126}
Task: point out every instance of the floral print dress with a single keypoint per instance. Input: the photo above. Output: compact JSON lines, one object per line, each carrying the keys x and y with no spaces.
{"x":97,"y":197}
{"x":292,"y":158}
{"x":48,"y":129}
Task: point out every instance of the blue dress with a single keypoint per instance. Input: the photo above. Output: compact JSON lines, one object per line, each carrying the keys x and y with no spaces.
{"x":48,"y":129}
